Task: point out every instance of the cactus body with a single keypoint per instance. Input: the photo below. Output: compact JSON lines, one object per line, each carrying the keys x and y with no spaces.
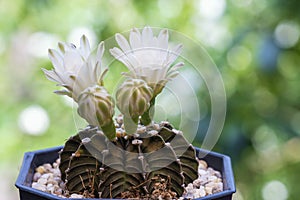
{"x":130,"y":166}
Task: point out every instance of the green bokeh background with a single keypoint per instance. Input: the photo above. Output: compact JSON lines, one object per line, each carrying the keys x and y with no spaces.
{"x":260,"y":70}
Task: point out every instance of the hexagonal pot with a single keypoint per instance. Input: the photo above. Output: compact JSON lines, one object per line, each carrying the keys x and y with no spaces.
{"x":34,"y":159}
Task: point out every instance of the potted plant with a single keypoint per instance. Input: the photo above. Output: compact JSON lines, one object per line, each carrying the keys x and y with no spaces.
{"x":132,"y":157}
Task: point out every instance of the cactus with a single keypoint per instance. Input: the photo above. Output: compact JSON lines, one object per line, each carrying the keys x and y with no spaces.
{"x":130,"y":166}
{"x":98,"y":162}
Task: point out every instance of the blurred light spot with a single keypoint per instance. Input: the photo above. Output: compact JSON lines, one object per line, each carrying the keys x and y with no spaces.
{"x":264,"y":139}
{"x":288,"y":65}
{"x":211,"y":9}
{"x":275,"y":190}
{"x":287,"y":34}
{"x":76,"y":33}
{"x":241,"y":3}
{"x":267,"y":54}
{"x":295,"y":122}
{"x":239,"y":58}
{"x":39,"y":43}
{"x":265,"y":103}
{"x":170,"y":9}
{"x":34,"y":120}
{"x":213,"y":34}
{"x":291,"y":150}
{"x":266,"y":144}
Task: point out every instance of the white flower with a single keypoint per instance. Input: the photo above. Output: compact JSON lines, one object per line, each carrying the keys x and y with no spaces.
{"x":148,"y":57}
{"x":75,"y":68}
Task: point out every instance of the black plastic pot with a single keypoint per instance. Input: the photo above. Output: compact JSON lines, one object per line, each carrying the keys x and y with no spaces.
{"x":33,"y":159}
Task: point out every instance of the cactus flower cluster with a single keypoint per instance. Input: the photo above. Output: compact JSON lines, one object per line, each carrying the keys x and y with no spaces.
{"x":150,"y":62}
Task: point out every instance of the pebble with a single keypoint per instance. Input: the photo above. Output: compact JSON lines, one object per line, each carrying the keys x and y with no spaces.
{"x":202,"y":172}
{"x":42,"y":181}
{"x":202,"y":164}
{"x":153,"y":132}
{"x":76,"y":196}
{"x":39,"y":186}
{"x":47,"y":167}
{"x":40,"y":169}
{"x":119,"y":119}
{"x":141,"y":130}
{"x":156,"y":127}
{"x":36,"y":176}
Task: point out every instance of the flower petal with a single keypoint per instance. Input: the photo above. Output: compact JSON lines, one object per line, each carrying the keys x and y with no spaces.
{"x":129,"y":74}
{"x":100,"y":52}
{"x":72,"y":61}
{"x":100,"y":80}
{"x":67,"y":46}
{"x":147,"y":36}
{"x":123,"y":43}
{"x":163,"y":39}
{"x":56,"y":59}
{"x":63,"y":92}
{"x":119,"y":55}
{"x":61,"y":47}
{"x":135,"y":39}
{"x":172,"y":75}
{"x":85,"y":48}
{"x":177,"y":66}
{"x":177,"y":49}
{"x":174,"y":53}
{"x":52,"y":76}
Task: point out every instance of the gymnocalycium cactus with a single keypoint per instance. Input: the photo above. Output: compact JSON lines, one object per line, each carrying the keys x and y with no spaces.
{"x":133,"y":157}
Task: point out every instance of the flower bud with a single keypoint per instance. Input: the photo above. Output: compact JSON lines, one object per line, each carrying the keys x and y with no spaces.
{"x":96,"y":106}
{"x":133,"y":97}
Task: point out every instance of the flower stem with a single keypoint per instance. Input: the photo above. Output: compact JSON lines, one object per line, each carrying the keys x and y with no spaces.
{"x":147,"y":117}
{"x":109,"y":130}
{"x":131,"y":124}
